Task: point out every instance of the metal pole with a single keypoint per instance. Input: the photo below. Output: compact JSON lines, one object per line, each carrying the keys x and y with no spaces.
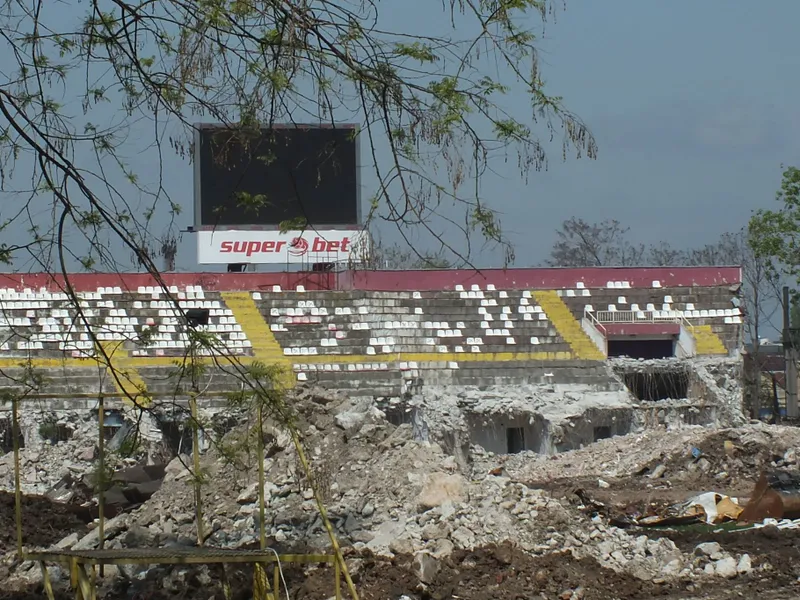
{"x":17,"y":485}
{"x":790,"y":366}
{"x":776,"y":407}
{"x":198,"y":501}
{"x":101,"y":496}
{"x":323,"y":513}
{"x":262,"y":531}
{"x":260,"y":579}
{"x":337,"y":581}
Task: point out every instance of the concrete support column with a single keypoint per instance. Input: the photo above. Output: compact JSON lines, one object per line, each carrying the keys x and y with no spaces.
{"x":792,"y":409}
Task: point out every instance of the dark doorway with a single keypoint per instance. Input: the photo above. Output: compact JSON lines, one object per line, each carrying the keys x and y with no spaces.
{"x":398,"y":415}
{"x":177,"y":436}
{"x":658,"y":385}
{"x":602,"y":433}
{"x":515,"y":439}
{"x":52,"y":431}
{"x":646,"y":349}
{"x":6,"y":437}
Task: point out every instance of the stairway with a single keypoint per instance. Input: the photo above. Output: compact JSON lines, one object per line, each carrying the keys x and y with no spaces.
{"x":567,"y":325}
{"x":266,"y":348}
{"x":122,"y":372}
{"x":706,"y":341}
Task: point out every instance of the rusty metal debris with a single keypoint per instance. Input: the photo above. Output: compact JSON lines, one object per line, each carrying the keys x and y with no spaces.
{"x":711,"y":508}
{"x":767,"y":502}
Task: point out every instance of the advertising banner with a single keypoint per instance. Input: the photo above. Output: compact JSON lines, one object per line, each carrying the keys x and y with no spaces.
{"x":226,"y":246}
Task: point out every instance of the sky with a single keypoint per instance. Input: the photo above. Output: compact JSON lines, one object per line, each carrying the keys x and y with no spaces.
{"x":693,"y":109}
{"x":693,"y":106}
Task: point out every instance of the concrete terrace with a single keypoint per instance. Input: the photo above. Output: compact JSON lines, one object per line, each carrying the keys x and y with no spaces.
{"x":373,"y":333}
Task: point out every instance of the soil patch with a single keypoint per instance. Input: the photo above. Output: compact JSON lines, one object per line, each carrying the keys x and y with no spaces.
{"x":780,"y":548}
{"x":493,"y":573}
{"x":44,"y":522}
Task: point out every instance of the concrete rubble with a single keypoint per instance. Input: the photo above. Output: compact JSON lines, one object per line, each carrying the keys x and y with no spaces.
{"x":714,"y":388}
{"x":43,"y":462}
{"x":64,"y":447}
{"x":425,"y":488}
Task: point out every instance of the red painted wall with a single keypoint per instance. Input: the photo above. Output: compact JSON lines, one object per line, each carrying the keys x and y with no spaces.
{"x":511,"y":279}
{"x":619,"y":330}
{"x":209,"y":281}
{"x":393,"y":280}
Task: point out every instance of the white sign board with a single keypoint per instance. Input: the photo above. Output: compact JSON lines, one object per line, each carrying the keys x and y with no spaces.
{"x":226,"y":246}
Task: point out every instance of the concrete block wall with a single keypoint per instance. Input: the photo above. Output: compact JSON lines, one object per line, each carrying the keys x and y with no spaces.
{"x":368,"y":341}
{"x":386,"y":323}
{"x":706,"y":305}
{"x":44,"y":324}
{"x":396,"y":379}
{"x":67,"y":388}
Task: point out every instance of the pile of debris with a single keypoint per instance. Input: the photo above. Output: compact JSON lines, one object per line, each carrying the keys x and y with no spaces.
{"x":59,"y":450}
{"x":392,"y":493}
{"x":53,"y":450}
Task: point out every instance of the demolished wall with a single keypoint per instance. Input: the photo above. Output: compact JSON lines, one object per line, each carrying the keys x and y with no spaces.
{"x":61,"y":445}
{"x":541,"y":419}
{"x":396,"y":496}
{"x":551,"y":418}
{"x":678,"y":392}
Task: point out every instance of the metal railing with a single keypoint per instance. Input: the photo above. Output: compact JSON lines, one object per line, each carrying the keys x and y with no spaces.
{"x":641,"y":316}
{"x":638,"y":316}
{"x":596,"y":323}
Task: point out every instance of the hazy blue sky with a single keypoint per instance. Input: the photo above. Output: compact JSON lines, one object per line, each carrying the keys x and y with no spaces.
{"x":693,"y":105}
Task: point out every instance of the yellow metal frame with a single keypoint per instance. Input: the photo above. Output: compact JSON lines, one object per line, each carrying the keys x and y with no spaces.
{"x":85,"y":583}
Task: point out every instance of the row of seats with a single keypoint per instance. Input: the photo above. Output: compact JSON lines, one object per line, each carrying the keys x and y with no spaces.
{"x":332,"y":323}
{"x":617,"y":285}
{"x":716,"y":307}
{"x":48,"y":295}
{"x":364,"y":323}
{"x":147,"y":327}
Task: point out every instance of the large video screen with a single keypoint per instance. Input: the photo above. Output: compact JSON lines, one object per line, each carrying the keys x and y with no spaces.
{"x":284,"y":173}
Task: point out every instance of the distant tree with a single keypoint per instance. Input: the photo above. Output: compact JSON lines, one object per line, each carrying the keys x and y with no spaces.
{"x":761,"y":295}
{"x":775,"y":234}
{"x":405,"y":258}
{"x":794,"y":318}
{"x":775,"y":238}
{"x":432,"y":261}
{"x":604,"y":244}
{"x":664,"y":255}
{"x":730,"y":249}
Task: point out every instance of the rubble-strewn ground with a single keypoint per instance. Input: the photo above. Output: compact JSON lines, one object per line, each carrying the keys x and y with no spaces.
{"x":418,"y":522}
{"x":44,"y":522}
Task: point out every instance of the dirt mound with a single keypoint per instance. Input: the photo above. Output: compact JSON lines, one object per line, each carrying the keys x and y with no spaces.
{"x":487,"y":574}
{"x":493,"y":573}
{"x":44,"y":521}
{"x":728,"y":457}
{"x":506,"y":572}
{"x":780,"y":549}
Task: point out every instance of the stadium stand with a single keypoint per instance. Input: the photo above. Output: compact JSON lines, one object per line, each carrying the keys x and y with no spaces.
{"x":379,"y":333}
